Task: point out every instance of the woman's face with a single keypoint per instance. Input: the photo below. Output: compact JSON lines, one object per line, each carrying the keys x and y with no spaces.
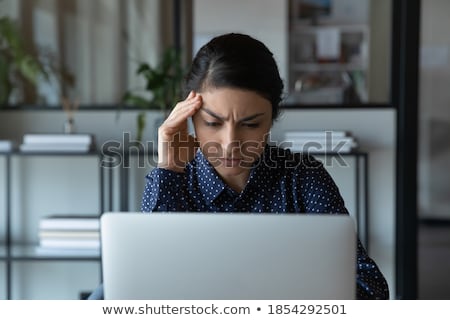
{"x":232,"y":127}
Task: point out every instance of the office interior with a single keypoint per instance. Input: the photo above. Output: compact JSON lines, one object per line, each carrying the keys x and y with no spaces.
{"x":388,"y":89}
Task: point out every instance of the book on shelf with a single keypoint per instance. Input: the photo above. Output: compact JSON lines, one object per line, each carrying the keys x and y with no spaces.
{"x":70,"y":243}
{"x":70,"y":222}
{"x":55,"y":147}
{"x":320,"y":141}
{"x":77,"y":138}
{"x":322,"y":148}
{"x":70,"y":252}
{"x":6,"y":145}
{"x":69,"y":234}
{"x":55,"y":142}
{"x":317,"y":133}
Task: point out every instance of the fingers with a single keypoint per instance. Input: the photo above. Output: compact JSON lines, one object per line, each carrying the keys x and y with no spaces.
{"x":192,"y":100}
{"x":175,"y":146}
{"x":182,"y":111}
{"x":190,"y":95}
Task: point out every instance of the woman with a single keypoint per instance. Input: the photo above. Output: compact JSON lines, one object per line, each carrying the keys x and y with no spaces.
{"x":235,"y":90}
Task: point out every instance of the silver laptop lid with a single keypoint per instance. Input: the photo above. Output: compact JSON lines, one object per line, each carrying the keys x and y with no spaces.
{"x":228,"y":256}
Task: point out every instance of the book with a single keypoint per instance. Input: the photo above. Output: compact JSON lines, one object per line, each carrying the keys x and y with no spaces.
{"x":6,"y":145}
{"x":316,"y":133}
{"x":322,"y":140}
{"x":71,"y":252}
{"x":70,"y":222}
{"x":68,"y":234}
{"x":315,"y":141}
{"x":55,"y":147}
{"x":70,"y":243}
{"x":55,"y":142}
{"x":70,"y":231}
{"x":59,"y":138}
{"x":307,"y":148}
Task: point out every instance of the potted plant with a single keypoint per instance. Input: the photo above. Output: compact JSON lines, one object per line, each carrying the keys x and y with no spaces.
{"x":16,"y":64}
{"x":163,"y":82}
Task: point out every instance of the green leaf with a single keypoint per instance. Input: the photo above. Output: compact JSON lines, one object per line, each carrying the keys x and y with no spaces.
{"x":18,"y":61}
{"x":141,"y":121}
{"x":155,"y":80}
{"x":136,"y":100}
{"x":143,"y":67}
{"x":5,"y":84}
{"x":163,"y":81}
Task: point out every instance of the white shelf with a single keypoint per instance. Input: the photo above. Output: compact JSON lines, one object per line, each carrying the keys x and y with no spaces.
{"x":318,"y":67}
{"x":301,"y":28}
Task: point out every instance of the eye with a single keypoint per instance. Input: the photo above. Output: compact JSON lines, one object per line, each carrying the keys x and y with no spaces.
{"x":251,"y":125}
{"x":212,"y":124}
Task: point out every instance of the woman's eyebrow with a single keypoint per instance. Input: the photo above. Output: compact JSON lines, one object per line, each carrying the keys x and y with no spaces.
{"x":252,"y":117}
{"x":212,"y":114}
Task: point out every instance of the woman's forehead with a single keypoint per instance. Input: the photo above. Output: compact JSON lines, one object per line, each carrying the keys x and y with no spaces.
{"x":232,"y":99}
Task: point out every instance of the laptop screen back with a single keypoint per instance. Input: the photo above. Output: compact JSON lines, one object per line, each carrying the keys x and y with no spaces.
{"x":228,"y":256}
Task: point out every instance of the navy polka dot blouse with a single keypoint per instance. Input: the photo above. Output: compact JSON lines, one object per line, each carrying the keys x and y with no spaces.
{"x":279,"y":182}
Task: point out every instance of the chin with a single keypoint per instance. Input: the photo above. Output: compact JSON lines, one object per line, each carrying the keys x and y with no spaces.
{"x":225,"y":171}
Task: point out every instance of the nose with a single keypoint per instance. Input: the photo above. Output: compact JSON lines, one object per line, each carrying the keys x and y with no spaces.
{"x":230,"y":141}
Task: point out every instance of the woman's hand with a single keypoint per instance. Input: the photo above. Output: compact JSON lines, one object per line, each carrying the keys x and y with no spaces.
{"x":175,"y":146}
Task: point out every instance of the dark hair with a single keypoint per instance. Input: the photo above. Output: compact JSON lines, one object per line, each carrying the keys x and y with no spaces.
{"x":237,"y":61}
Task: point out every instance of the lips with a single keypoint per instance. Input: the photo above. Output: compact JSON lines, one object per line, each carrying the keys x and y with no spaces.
{"x":231,"y":162}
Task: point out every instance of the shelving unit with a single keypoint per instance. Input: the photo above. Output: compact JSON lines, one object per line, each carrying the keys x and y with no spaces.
{"x":113,"y":174}
{"x":15,"y":251}
{"x":328,"y":57}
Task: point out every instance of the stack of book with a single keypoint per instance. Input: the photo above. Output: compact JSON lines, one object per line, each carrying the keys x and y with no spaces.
{"x":54,"y":142}
{"x":326,"y":141}
{"x":69,"y":232}
{"x":6,"y":145}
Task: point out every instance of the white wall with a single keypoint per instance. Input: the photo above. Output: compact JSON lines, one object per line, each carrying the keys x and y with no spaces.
{"x":10,"y":8}
{"x":265,"y":20}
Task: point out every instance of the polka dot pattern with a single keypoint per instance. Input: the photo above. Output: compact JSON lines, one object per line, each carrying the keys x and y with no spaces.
{"x":279,"y":182}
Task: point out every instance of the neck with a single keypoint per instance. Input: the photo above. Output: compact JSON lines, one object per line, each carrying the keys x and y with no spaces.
{"x":237,"y":183}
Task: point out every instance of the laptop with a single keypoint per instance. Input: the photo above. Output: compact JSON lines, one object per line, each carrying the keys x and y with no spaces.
{"x":221,"y":256}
